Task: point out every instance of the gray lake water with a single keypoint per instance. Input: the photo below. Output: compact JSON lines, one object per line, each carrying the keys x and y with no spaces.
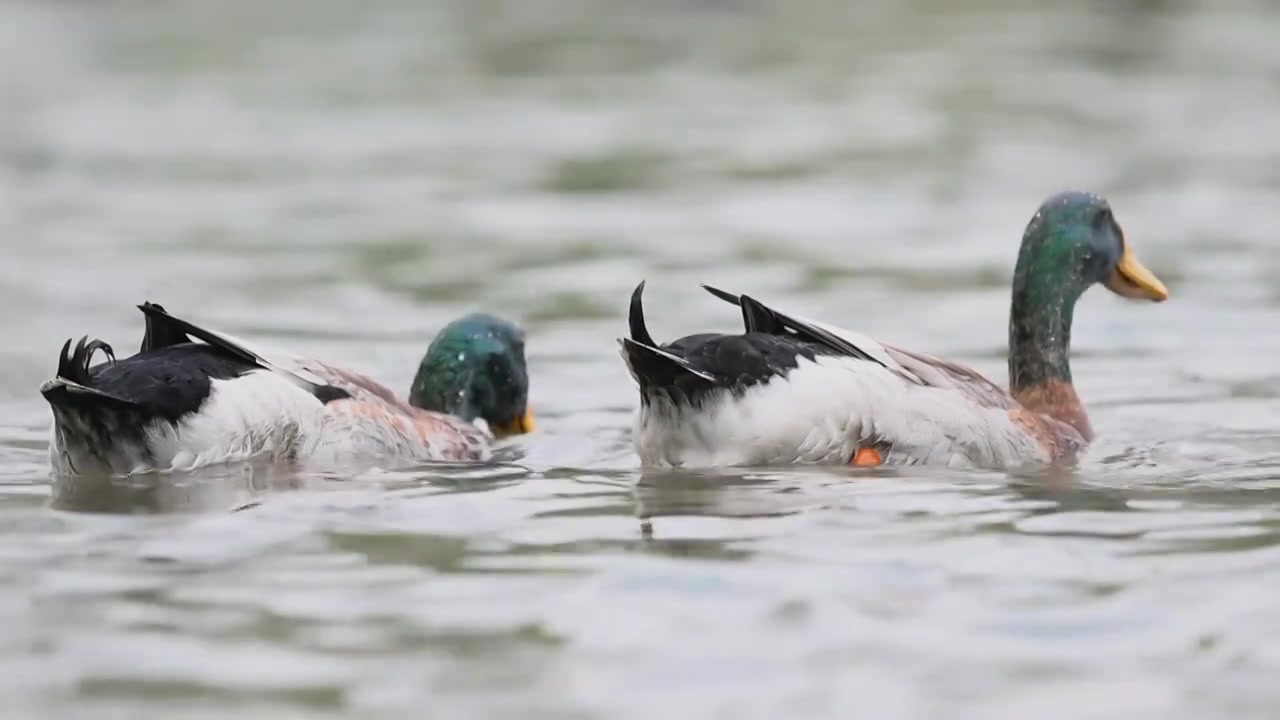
{"x":343,"y":178}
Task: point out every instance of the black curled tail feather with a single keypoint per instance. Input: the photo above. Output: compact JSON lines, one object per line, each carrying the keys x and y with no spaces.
{"x":657,"y":369}
{"x":72,"y":389}
{"x":95,"y":429}
{"x":90,"y":423}
{"x":635,"y":318}
{"x":74,"y":365}
{"x":65,"y":366}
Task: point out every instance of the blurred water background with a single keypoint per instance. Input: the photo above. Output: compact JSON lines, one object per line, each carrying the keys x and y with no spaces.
{"x":343,"y":178}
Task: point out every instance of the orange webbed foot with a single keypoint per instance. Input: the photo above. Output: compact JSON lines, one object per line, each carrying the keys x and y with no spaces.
{"x":866,"y":457}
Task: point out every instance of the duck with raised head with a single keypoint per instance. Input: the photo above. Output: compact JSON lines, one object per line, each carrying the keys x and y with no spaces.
{"x":193,"y":397}
{"x":793,"y":390}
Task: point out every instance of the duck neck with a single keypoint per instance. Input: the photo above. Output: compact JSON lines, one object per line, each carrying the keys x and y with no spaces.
{"x":1040,"y":348}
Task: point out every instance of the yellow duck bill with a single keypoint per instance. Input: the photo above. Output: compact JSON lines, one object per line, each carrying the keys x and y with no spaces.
{"x":1132,"y":279}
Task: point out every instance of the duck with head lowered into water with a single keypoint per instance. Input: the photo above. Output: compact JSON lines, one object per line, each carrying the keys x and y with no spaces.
{"x":193,"y":397}
{"x":792,"y":390}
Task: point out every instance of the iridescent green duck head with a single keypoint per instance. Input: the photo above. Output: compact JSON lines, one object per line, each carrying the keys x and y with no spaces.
{"x":1072,"y":243}
{"x":475,"y":368}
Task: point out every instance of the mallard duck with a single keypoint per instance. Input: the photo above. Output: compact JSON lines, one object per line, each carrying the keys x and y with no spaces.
{"x":793,"y":390}
{"x":193,"y":397}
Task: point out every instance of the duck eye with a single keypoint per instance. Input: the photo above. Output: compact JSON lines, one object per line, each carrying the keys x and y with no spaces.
{"x":1102,"y":219}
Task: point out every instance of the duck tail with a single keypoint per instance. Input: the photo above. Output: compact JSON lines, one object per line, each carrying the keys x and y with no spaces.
{"x":635,"y":318}
{"x":72,"y":388}
{"x":90,"y":424}
{"x":654,"y":368}
{"x":73,"y":364}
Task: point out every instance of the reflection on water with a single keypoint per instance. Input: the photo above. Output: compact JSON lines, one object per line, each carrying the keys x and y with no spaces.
{"x":343,"y":179}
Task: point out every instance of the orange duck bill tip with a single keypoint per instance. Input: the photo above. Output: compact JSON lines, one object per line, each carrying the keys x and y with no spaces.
{"x":519,"y":426}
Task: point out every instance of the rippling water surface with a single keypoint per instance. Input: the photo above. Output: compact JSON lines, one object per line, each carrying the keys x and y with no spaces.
{"x":343,"y":178}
